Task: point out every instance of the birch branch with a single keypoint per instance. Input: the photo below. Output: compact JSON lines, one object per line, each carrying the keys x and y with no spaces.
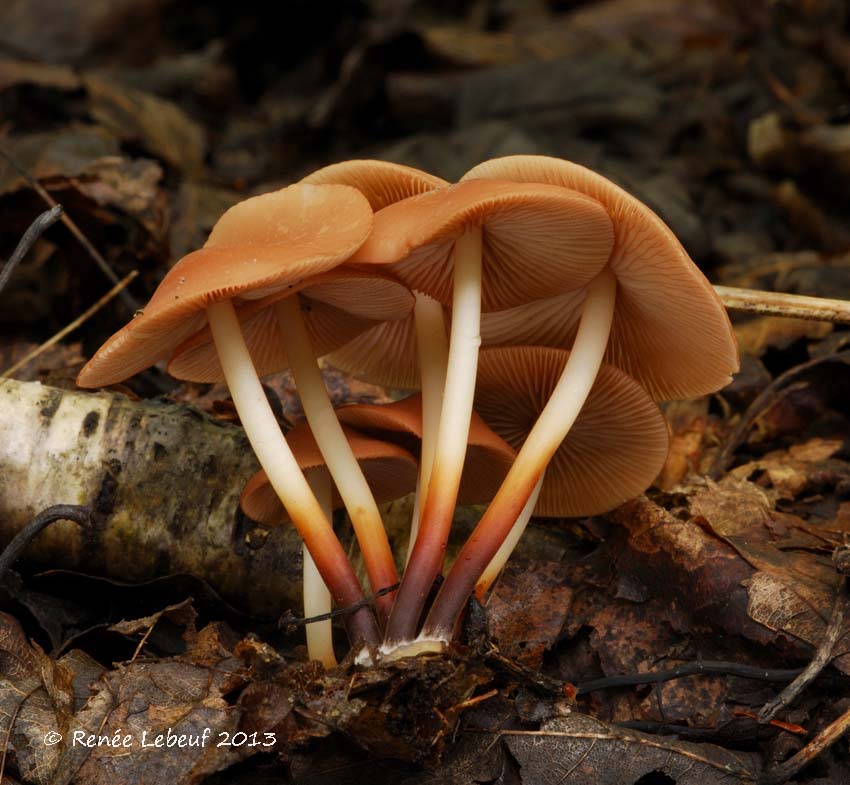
{"x":163,"y":482}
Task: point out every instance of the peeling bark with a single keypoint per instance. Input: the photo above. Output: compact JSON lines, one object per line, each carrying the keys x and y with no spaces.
{"x":163,"y":481}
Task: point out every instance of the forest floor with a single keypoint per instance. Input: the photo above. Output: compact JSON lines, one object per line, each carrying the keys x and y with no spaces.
{"x":145,"y":119}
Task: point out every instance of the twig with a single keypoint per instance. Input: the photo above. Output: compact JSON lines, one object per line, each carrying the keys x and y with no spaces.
{"x":734,"y":732}
{"x":824,"y":655}
{"x":795,"y":306}
{"x":766,"y":398}
{"x":690,"y":669}
{"x":36,"y":229}
{"x":104,"y":266}
{"x":117,"y":289}
{"x":783,"y":772}
{"x":291,"y":623}
{"x":19,"y":543}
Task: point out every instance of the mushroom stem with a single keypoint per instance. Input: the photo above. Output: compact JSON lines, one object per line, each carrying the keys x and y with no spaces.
{"x":549,"y":431}
{"x":433,"y":350}
{"x":795,"y":306}
{"x":338,"y":455}
{"x":426,"y":560}
{"x":284,"y":474}
{"x":498,"y":562}
{"x":317,"y":598}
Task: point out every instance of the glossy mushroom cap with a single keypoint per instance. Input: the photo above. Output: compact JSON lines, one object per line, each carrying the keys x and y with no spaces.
{"x":670,"y":331}
{"x":488,"y":456}
{"x":615,"y":448}
{"x":336,"y":306}
{"x":259,"y":247}
{"x":536,"y":240}
{"x":381,"y":182}
{"x":389,"y":469}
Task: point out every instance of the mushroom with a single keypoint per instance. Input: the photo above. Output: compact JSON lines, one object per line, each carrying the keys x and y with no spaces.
{"x":409,"y":353}
{"x":670,"y":331}
{"x":290,"y":329}
{"x":259,"y":247}
{"x":383,"y":183}
{"x":657,"y":282}
{"x":477,"y":245}
{"x":615,"y":449}
{"x":488,"y":455}
{"x":389,"y":470}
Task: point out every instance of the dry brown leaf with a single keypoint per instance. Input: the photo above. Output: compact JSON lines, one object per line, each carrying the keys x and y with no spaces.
{"x":528,"y":608}
{"x":577,"y":749}
{"x":159,"y":125}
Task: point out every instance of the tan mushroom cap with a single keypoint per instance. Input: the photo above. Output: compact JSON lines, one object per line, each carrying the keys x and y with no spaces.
{"x":536,"y":240}
{"x":670,"y":331}
{"x":385,"y":354}
{"x":381,"y":182}
{"x":389,"y":470}
{"x":615,"y":448}
{"x":337,"y":306}
{"x":258,"y":247}
{"x":488,"y":456}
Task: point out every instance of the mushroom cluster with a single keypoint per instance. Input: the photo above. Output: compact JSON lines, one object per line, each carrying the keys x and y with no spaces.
{"x":536,"y":312}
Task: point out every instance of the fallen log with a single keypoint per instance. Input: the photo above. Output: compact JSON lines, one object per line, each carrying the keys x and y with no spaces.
{"x":163,"y":481}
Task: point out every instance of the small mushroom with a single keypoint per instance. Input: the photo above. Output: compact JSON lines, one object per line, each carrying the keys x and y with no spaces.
{"x":670,"y":332}
{"x":260,"y":247}
{"x":290,"y":329}
{"x":477,"y":245}
{"x":614,"y":450}
{"x":656,"y":281}
{"x":390,"y":471}
{"x":410,"y":353}
{"x":488,"y":456}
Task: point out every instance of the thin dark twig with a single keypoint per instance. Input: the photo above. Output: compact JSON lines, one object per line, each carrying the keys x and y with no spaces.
{"x":36,"y":229}
{"x":19,"y":543}
{"x":767,"y":397}
{"x":784,"y":771}
{"x":734,"y":732}
{"x":823,"y":656}
{"x":690,"y":669}
{"x":291,"y":622}
{"x":104,"y":266}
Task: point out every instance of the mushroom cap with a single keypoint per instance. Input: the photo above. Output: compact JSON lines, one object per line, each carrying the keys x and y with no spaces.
{"x":385,"y":355}
{"x":615,"y":448}
{"x":390,"y":471}
{"x":488,"y":456}
{"x":337,"y":306}
{"x":670,"y":331}
{"x":536,"y":240}
{"x":258,"y":247}
{"x":381,"y":182}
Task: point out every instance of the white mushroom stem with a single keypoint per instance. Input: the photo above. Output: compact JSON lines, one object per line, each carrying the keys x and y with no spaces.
{"x":283,"y":471}
{"x":426,"y":560}
{"x":337,"y":453}
{"x":433,"y":350}
{"x":497,"y":563}
{"x":549,"y":431}
{"x":317,"y":598}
